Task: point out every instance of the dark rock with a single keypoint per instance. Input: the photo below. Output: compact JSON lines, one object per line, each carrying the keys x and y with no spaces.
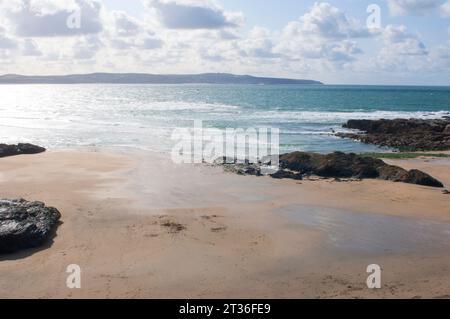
{"x":341,"y":165}
{"x":243,"y":169}
{"x":405,"y":134}
{"x":392,"y":173}
{"x":447,"y":130}
{"x":336,"y":165}
{"x":420,"y":178}
{"x":25,"y":224}
{"x":19,"y":149}
{"x":252,"y":170}
{"x":282,"y":174}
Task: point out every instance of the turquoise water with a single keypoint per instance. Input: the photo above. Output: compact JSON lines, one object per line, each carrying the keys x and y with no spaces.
{"x":144,"y":116}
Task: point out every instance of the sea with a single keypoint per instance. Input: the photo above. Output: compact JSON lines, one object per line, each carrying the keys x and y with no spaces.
{"x":144,"y":116}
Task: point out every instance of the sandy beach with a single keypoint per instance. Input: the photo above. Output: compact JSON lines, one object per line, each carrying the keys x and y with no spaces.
{"x":140,"y":226}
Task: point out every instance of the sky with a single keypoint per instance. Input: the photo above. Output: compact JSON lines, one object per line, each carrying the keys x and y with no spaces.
{"x":336,"y":42}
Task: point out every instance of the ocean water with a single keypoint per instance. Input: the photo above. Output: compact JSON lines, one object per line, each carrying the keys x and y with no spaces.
{"x":144,"y":116}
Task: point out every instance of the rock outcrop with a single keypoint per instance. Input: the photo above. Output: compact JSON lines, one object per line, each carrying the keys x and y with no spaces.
{"x":20,"y":149}
{"x":405,"y":134}
{"x":341,"y":165}
{"x":337,"y":165}
{"x":25,"y":224}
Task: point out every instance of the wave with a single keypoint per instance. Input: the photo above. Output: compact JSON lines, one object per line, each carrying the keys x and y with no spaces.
{"x":340,"y":117}
{"x":182,"y":106}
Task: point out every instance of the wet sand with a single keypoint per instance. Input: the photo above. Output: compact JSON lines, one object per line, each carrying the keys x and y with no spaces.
{"x":140,"y":226}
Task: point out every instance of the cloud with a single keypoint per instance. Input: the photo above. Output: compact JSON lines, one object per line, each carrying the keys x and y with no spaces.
{"x":399,"y":42}
{"x":329,"y":22}
{"x":86,"y":48}
{"x":125,"y":25}
{"x":413,"y":7}
{"x":7,"y":43}
{"x":30,"y":48}
{"x":259,"y":43}
{"x":193,"y":15}
{"x":445,"y":9}
{"x":40,"y":18}
{"x":151,"y":43}
{"x":325,"y":32}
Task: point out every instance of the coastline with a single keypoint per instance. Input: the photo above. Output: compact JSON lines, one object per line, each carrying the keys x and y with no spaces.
{"x":120,"y":213}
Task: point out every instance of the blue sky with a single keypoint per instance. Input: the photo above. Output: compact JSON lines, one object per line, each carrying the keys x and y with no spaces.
{"x":323,"y":40}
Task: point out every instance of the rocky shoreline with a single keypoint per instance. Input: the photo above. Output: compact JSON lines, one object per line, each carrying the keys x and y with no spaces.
{"x":403,"y":134}
{"x":338,"y":165}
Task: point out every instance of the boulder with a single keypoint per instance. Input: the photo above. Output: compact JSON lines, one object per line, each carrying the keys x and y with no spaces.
{"x":25,"y":224}
{"x":20,"y":149}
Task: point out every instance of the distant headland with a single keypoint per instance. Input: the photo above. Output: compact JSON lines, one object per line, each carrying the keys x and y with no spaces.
{"x":141,"y":78}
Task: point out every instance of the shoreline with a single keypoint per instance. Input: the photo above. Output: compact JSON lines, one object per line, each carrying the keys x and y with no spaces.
{"x":121,"y":212}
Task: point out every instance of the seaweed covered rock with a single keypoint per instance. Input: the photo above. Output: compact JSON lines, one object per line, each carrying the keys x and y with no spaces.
{"x":25,"y":224}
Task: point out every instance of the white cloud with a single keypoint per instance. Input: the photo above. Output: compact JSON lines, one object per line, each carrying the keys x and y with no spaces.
{"x":193,"y":15}
{"x":259,"y":43}
{"x":43,"y":18}
{"x":445,"y":9}
{"x":413,"y":7}
{"x":329,"y":22}
{"x":86,"y":48}
{"x":125,"y":25}
{"x":30,"y":48}
{"x":399,"y":42}
{"x":325,"y":32}
{"x":7,"y":43}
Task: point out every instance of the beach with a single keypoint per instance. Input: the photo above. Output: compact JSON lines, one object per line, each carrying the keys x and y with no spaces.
{"x":140,"y":226}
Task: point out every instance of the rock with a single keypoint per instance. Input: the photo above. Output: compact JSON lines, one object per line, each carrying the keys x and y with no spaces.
{"x":447,"y":130}
{"x":243,"y":169}
{"x":282,"y":174}
{"x":19,"y":149}
{"x":25,"y":224}
{"x":341,"y":165}
{"x":446,"y":192}
{"x":405,"y":134}
{"x":337,"y":165}
{"x":392,"y":173}
{"x":420,"y":178}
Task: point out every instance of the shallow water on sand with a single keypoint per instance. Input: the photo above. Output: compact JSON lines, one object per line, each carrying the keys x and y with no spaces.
{"x":373,"y":233}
